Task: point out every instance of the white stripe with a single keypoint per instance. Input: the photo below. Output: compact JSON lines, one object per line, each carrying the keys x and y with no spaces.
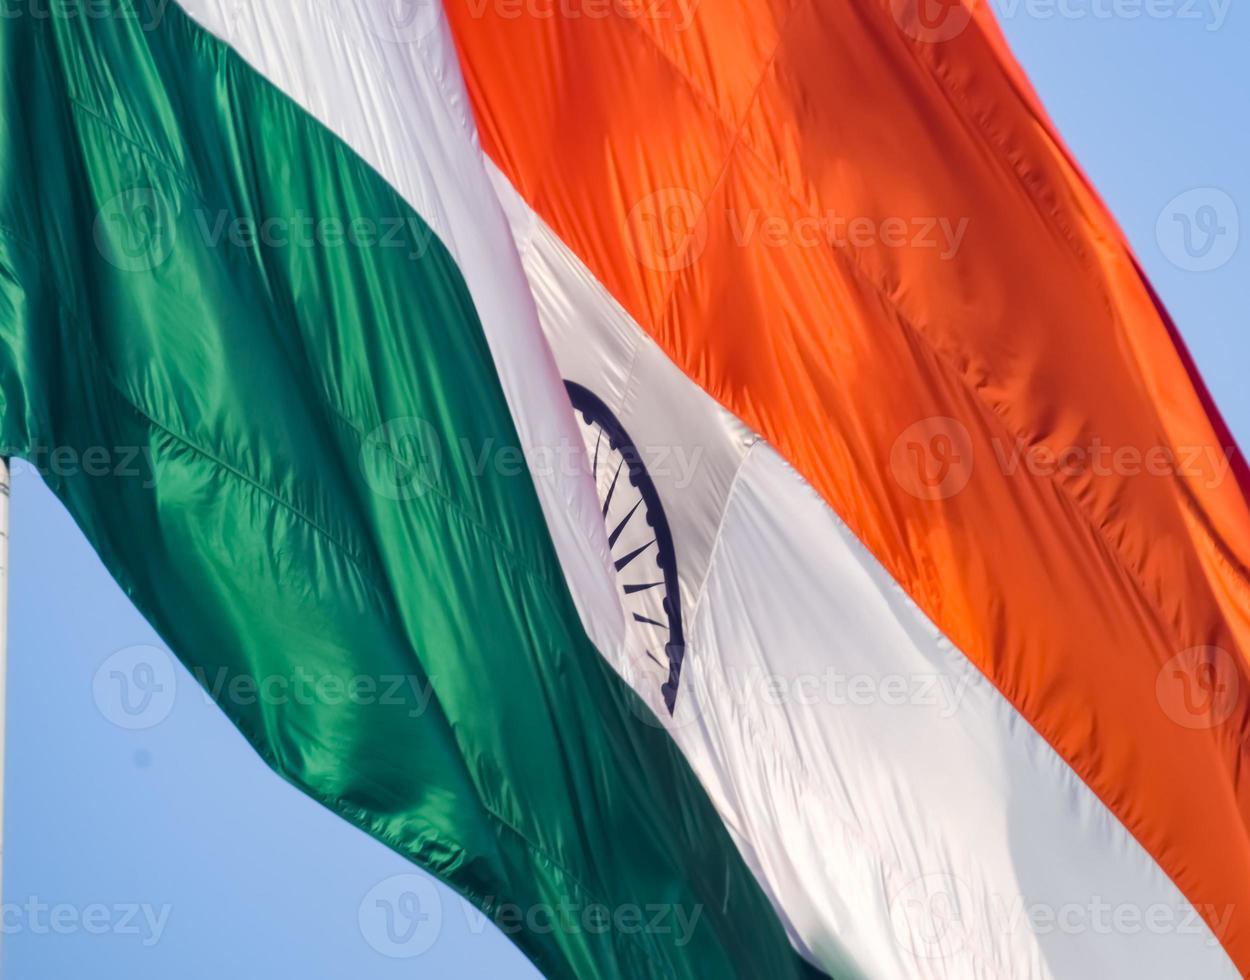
{"x":904,"y":817}
{"x":866,"y":822}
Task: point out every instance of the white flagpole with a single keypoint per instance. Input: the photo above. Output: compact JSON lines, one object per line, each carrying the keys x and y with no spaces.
{"x":5,"y":486}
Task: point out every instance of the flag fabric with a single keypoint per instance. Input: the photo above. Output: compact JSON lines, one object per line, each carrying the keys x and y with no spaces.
{"x":984,"y":463}
{"x":743,"y":421}
{"x":304,"y":390}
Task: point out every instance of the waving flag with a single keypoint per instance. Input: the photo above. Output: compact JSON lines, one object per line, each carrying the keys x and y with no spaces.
{"x":811,"y":545}
{"x":988,"y":489}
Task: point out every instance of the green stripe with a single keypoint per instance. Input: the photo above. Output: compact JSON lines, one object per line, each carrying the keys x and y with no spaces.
{"x":289,"y":529}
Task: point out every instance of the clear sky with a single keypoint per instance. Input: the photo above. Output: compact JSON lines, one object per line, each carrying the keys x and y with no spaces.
{"x":171,"y":851}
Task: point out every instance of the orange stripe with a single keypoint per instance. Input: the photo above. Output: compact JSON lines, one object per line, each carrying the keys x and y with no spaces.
{"x":701,"y":173}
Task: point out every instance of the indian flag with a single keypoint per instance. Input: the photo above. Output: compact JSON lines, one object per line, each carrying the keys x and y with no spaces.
{"x":743,"y":419}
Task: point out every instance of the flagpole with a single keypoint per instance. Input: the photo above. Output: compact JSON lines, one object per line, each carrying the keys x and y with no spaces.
{"x":5,"y":486}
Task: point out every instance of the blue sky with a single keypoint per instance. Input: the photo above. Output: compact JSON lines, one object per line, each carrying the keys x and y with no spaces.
{"x":171,"y":851}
